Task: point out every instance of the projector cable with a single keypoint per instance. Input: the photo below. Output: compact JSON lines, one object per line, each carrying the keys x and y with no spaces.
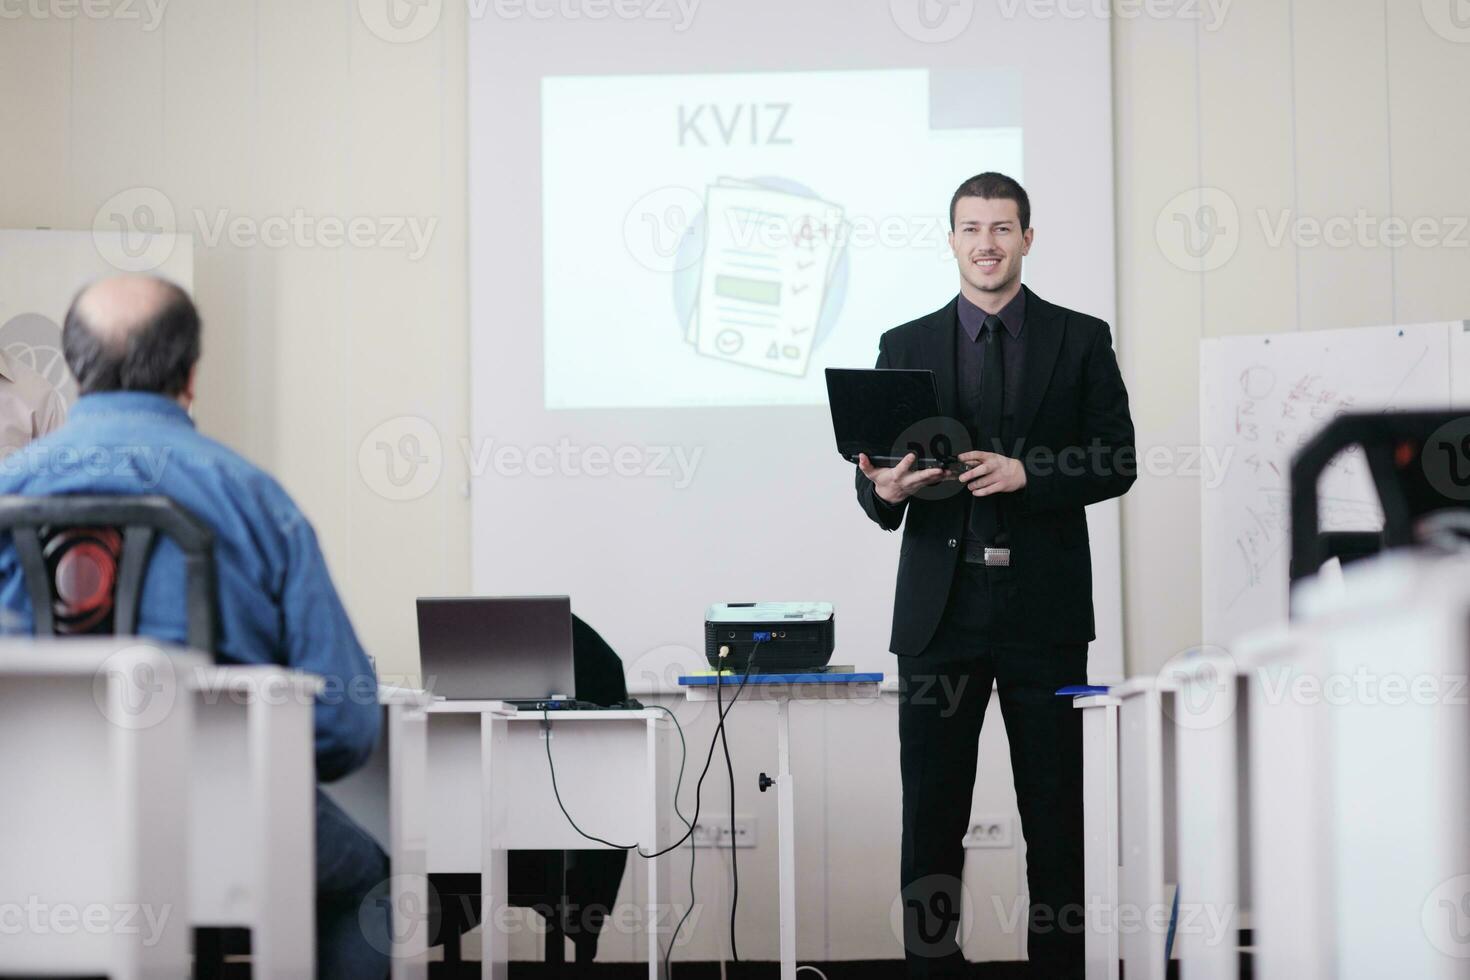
{"x":723,"y":710}
{"x":730,"y":769}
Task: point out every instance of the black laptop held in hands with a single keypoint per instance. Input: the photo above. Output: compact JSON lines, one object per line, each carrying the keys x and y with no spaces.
{"x":887,"y":413}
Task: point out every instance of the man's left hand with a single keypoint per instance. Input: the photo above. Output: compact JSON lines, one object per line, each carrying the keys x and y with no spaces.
{"x":991,"y":473}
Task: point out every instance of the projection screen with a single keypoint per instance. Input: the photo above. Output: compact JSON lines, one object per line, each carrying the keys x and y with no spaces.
{"x":680,"y":213}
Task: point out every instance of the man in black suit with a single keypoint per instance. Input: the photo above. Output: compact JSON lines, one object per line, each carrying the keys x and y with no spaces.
{"x":995,"y":575}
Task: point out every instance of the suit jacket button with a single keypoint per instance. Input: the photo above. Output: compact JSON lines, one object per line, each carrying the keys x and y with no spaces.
{"x":954,"y":543}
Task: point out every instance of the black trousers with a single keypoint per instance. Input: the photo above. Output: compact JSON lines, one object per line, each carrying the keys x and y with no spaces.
{"x":944,"y":693}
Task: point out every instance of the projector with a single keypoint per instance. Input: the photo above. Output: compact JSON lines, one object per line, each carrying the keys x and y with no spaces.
{"x":786,"y":637}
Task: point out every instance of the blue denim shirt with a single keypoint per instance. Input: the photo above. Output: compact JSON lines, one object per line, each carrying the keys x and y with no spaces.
{"x":276,"y":601}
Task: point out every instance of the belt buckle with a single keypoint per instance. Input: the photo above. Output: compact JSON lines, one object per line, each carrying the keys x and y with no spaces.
{"x":997,"y":558}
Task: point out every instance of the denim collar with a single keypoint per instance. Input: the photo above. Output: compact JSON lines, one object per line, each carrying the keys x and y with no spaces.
{"x":103,"y":403}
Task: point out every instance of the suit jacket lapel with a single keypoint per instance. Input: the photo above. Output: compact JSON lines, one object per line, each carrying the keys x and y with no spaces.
{"x":939,"y":343}
{"x":1043,"y":332}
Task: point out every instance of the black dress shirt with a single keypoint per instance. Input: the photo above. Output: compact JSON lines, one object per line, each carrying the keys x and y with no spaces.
{"x":970,"y":362}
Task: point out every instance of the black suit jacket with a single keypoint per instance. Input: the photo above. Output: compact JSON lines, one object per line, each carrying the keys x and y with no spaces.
{"x":1074,"y":435}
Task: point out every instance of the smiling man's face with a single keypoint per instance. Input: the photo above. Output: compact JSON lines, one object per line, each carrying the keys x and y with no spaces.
{"x":988,"y":244}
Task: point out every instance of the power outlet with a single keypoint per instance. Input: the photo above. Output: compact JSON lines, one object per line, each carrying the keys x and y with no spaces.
{"x":989,"y":831}
{"x":715,"y":832}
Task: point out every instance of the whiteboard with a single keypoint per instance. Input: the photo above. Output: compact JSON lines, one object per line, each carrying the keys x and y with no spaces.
{"x":1262,"y":397}
{"x":41,"y":270}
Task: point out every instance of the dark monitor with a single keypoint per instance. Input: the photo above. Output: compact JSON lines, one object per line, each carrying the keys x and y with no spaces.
{"x":479,"y":648}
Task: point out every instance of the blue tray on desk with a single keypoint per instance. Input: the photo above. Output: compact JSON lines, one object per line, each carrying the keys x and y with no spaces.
{"x":733,"y":680}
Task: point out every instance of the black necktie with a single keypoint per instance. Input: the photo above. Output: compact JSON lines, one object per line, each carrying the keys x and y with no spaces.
{"x":985,"y":511}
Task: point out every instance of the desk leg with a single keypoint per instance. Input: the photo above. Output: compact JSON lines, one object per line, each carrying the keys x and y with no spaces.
{"x":283,"y":941}
{"x":1100,"y":817}
{"x":494,"y":958}
{"x":655,"y":842}
{"x":786,"y":824}
{"x":408,"y":839}
{"x":1209,"y":840}
{"x":1141,"y":832}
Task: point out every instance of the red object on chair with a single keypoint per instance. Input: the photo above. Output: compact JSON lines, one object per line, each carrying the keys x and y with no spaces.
{"x":82,"y":562}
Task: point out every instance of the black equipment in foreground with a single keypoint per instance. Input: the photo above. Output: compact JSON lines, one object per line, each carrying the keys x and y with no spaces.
{"x":1420,"y":464}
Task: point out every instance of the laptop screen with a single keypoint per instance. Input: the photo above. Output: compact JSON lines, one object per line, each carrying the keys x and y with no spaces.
{"x":872,"y":409}
{"x":496,"y":648}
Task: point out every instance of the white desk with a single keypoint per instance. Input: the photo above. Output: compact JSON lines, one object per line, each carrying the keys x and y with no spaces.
{"x":1360,"y":777}
{"x":782,"y":692}
{"x":489,"y":791}
{"x":406,"y":731}
{"x":387,"y":797}
{"x":448,"y":776}
{"x":1397,"y":766}
{"x":1100,"y":823}
{"x":1209,"y":723}
{"x":94,"y":825}
{"x":252,"y":815}
{"x":1146,"y":824}
{"x":1291,"y":895}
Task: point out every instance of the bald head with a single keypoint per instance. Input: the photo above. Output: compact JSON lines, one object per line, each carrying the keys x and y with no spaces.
{"x":131,"y":333}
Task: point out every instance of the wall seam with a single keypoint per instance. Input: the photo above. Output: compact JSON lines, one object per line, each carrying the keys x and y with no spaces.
{"x":1199,"y":160}
{"x":1296,"y":170}
{"x":1393,"y":257}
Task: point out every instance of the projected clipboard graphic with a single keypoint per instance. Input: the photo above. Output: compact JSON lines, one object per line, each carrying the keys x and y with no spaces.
{"x":768,"y":259}
{"x":776,"y":223}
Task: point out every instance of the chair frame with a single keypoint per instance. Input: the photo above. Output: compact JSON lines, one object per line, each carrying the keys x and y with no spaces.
{"x":141,"y":518}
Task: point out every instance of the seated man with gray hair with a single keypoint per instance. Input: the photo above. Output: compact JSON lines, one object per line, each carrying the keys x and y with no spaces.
{"x":133,"y":344}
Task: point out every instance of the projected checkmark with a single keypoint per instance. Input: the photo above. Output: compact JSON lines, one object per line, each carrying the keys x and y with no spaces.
{"x":805,"y":265}
{"x":798,"y":290}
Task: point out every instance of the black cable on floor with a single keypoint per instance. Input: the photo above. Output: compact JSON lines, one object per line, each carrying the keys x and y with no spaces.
{"x":698,"y":787}
{"x":678,"y":785}
{"x":698,"y":790}
{"x":730,"y":769}
{"x":721,"y":712}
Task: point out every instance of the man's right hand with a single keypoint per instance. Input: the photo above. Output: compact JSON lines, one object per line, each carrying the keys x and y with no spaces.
{"x":895,"y":484}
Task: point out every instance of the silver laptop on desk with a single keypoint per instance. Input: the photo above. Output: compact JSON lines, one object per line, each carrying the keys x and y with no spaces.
{"x":515,"y":649}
